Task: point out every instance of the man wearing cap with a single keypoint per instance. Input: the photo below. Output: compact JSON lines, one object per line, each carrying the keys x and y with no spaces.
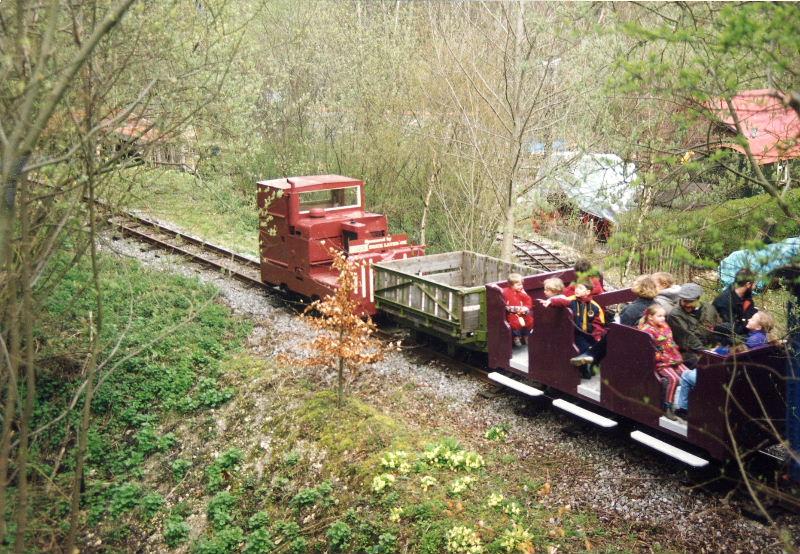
{"x":692,"y":323}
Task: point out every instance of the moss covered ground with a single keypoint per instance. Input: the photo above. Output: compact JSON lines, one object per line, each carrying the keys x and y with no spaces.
{"x":221,"y":212}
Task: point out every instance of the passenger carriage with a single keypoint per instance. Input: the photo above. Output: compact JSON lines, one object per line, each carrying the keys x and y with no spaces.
{"x":627,"y":388}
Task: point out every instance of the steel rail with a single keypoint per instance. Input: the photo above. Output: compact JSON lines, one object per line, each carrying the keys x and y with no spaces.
{"x":175,"y":241}
{"x":559,"y":263}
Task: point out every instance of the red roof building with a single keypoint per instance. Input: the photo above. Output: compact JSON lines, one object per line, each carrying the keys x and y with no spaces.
{"x":772,"y":129}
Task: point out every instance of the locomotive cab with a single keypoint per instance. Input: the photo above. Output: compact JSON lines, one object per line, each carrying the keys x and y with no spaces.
{"x":302,"y":218}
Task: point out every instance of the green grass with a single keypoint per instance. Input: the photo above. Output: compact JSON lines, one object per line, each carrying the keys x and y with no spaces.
{"x":218,"y":210}
{"x":165,"y":342}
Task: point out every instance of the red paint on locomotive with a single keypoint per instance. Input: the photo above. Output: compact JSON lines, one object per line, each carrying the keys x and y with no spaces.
{"x":311,"y":214}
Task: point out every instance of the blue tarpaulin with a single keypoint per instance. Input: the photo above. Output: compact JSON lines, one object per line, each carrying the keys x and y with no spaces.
{"x":761,"y":261}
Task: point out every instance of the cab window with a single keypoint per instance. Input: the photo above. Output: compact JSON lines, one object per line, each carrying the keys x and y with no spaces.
{"x":331,"y":199}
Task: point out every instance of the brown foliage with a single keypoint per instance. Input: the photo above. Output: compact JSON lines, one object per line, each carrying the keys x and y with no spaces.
{"x":345,"y":340}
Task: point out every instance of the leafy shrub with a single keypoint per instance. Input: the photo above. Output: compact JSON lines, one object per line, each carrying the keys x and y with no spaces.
{"x":223,"y":542}
{"x":298,"y":546}
{"x":149,"y":441}
{"x":176,"y":531}
{"x":258,"y":542}
{"x":387,"y":544}
{"x":225,"y":463}
{"x":180,"y":467}
{"x":207,"y":395}
{"x":124,"y":498}
{"x":258,"y":520}
{"x":287,"y":529}
{"x":220,"y":510}
{"x":151,"y":504}
{"x":311,"y":496}
{"x":339,"y":535}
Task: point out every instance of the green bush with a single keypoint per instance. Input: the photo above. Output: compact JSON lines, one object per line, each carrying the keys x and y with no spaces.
{"x":227,"y":462}
{"x":221,"y":510}
{"x":151,"y":504}
{"x":299,"y":546}
{"x":310,"y":496}
{"x":258,"y":542}
{"x":258,"y":520}
{"x":223,"y":542}
{"x":387,"y":544}
{"x":339,"y":535}
{"x":176,"y":531}
{"x":713,"y":232}
{"x":180,"y":467}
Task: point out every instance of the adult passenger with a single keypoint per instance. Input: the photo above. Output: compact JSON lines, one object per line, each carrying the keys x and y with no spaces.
{"x":667,"y":296}
{"x":735,"y":304}
{"x":692,"y":323}
{"x":644,"y":287}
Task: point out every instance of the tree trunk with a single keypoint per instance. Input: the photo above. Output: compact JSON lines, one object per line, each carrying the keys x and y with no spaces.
{"x":340,"y":377}
{"x":423,"y":224}
{"x":508,"y":226}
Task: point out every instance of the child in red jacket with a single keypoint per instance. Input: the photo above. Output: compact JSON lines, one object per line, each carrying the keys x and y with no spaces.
{"x":518,"y":309}
{"x":669,"y":362}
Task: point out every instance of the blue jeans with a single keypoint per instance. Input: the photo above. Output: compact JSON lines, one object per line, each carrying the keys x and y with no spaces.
{"x":688,"y":380}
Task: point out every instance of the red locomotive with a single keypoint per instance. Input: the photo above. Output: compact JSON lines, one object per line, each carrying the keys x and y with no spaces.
{"x":309,"y":216}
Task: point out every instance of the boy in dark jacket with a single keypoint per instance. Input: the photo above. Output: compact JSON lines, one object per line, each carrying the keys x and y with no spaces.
{"x":590,"y":323}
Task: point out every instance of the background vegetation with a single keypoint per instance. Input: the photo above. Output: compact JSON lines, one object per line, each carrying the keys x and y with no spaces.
{"x":449,"y":112}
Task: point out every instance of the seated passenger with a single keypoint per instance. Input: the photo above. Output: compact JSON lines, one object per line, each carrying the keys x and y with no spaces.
{"x":735,"y":304}
{"x":692,"y":323}
{"x":587,"y":275}
{"x":518,"y":309}
{"x":760,"y":329}
{"x":553,"y":287}
{"x":589,"y":319}
{"x":644,"y":287}
{"x":669,"y":364}
{"x":667,"y":296}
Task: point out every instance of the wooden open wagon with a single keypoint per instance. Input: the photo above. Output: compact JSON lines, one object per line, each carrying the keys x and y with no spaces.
{"x":442,"y":294}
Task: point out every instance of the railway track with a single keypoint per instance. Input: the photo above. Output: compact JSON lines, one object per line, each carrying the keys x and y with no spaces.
{"x":247,"y":270}
{"x":539,"y":257}
{"x":237,"y":266}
